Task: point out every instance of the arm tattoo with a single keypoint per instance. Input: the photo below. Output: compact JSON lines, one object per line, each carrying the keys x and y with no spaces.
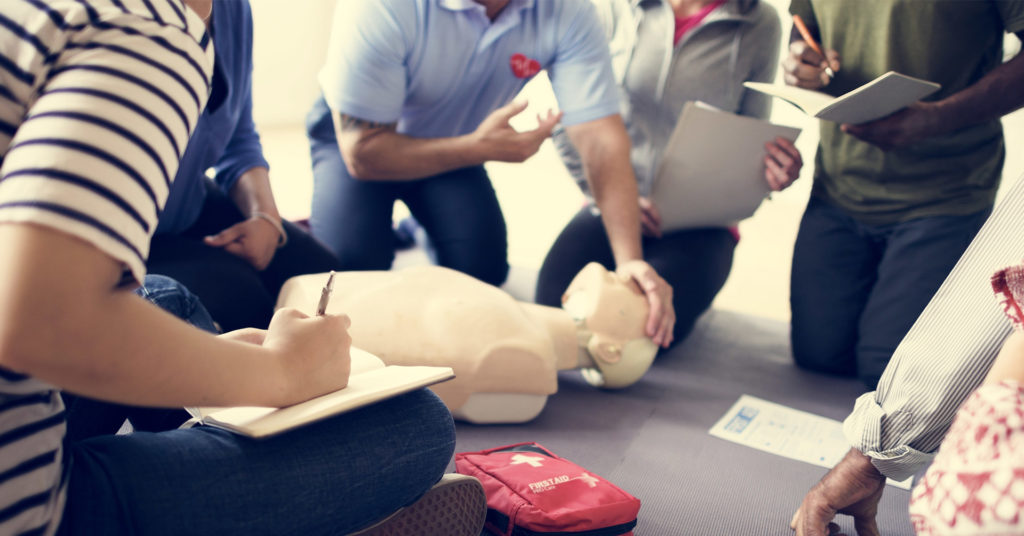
{"x":354,"y":123}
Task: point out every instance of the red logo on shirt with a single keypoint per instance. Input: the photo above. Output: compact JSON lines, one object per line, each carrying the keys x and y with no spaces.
{"x":523,"y":67}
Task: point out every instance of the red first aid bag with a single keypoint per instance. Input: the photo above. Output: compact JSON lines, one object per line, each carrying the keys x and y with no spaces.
{"x":531,"y":491}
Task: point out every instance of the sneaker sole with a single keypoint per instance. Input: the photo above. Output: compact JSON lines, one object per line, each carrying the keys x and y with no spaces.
{"x":455,"y":506}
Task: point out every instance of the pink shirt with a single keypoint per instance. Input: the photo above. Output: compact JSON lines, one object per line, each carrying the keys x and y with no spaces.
{"x":686,"y":24}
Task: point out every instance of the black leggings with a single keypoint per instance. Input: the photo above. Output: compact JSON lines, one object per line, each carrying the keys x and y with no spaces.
{"x":236,"y":294}
{"x":696,"y":262}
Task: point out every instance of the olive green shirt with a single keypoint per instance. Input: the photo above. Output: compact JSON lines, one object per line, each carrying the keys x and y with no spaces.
{"x":951,"y":42}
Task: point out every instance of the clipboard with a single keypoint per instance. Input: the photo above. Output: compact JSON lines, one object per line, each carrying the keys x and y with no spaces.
{"x":712,"y":171}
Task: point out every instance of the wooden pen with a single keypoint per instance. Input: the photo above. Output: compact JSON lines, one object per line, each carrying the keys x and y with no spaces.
{"x":809,"y":39}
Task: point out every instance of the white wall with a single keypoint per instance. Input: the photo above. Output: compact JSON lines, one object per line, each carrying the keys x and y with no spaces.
{"x":290,"y":43}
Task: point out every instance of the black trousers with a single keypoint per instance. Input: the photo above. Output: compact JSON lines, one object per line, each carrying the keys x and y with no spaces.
{"x":856,"y":289}
{"x":236,"y":294}
{"x":696,"y":262}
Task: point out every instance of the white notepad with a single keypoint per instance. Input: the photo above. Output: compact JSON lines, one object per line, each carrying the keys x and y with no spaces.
{"x":788,"y":432}
{"x":878,"y":98}
{"x":370,"y":381}
{"x":712,"y":172}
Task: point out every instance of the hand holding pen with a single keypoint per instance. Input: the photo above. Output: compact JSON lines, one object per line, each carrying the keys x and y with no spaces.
{"x":808,"y":65}
{"x":313,"y":350}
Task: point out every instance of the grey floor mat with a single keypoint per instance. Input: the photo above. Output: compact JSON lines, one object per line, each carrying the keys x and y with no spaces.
{"x":652,"y":441}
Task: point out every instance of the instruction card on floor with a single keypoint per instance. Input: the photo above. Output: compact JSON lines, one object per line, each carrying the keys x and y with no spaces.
{"x":785,"y":431}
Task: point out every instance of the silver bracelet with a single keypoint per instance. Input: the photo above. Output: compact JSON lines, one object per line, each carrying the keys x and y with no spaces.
{"x":282,"y":236}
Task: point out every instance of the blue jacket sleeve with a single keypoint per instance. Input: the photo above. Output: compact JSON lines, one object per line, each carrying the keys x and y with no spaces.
{"x":243,"y":150}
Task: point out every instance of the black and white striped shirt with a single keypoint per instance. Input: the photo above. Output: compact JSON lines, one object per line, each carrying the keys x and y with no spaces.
{"x":945,"y":355}
{"x":97,"y":100}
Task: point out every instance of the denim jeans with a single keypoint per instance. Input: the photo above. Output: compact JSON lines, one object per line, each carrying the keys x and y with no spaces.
{"x":856,"y":289}
{"x":459,"y":211}
{"x":330,"y":477}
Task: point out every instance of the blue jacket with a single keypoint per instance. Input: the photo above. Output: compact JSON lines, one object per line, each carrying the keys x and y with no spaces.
{"x":225,"y":138}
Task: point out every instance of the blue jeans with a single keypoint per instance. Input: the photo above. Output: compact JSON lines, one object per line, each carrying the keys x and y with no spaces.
{"x":458,"y":210}
{"x":331,"y":477}
{"x":856,"y":289}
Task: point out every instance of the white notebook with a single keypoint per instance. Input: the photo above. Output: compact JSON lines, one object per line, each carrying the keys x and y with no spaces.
{"x":878,"y":98}
{"x":370,"y":381}
{"x":712,"y":172}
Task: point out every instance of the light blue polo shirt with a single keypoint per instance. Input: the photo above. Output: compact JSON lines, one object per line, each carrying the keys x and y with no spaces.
{"x":439,"y":67}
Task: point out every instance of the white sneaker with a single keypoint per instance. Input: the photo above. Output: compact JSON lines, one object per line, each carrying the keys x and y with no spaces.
{"x":455,"y":506}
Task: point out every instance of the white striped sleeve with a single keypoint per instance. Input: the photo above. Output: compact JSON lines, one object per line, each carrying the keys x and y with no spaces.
{"x":98,"y":148}
{"x":945,"y":355}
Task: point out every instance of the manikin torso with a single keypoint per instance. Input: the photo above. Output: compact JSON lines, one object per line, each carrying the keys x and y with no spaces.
{"x":505,"y":353}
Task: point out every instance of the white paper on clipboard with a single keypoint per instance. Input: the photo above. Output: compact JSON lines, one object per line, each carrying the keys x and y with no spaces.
{"x":712,"y":171}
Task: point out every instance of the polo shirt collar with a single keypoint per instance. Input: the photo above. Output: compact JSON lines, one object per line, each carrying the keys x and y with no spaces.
{"x":465,"y":5}
{"x":510,"y":17}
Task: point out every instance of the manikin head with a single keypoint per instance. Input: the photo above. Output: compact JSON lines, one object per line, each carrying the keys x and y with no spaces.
{"x":611,"y":312}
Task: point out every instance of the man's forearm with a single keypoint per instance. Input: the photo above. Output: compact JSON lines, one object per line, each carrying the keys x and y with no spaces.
{"x":945,"y":355}
{"x":993,"y":96}
{"x":377,"y":152}
{"x":603,"y":146}
{"x":616,"y":196}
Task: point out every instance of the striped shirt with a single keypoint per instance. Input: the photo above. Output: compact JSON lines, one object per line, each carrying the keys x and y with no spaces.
{"x":944,"y":356}
{"x":97,"y":100}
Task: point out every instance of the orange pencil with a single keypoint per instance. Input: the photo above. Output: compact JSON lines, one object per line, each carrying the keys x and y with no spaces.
{"x":809,"y":39}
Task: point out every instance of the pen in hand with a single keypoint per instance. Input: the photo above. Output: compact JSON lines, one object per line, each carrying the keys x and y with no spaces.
{"x":809,"y":39}
{"x":325,"y":295}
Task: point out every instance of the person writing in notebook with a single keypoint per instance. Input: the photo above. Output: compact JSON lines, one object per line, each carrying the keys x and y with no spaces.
{"x":223,"y":238}
{"x":895,"y":201}
{"x":667,"y":53}
{"x":97,"y":100}
{"x":894,"y":430}
{"x":416,"y":99}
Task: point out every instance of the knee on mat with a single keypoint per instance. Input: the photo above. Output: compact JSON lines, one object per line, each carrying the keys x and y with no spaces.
{"x":489,"y":270}
{"x":817,"y":358}
{"x":549,"y":291}
{"x":359,"y":258}
{"x":870,"y":368}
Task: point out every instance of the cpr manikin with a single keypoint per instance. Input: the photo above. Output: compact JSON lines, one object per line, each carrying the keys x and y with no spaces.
{"x":505,"y":353}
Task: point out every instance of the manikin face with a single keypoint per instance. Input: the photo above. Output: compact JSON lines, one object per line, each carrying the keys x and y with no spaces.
{"x":614,"y":310}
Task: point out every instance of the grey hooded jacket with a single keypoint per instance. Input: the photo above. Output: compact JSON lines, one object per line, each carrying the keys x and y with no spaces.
{"x":737,"y":42}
